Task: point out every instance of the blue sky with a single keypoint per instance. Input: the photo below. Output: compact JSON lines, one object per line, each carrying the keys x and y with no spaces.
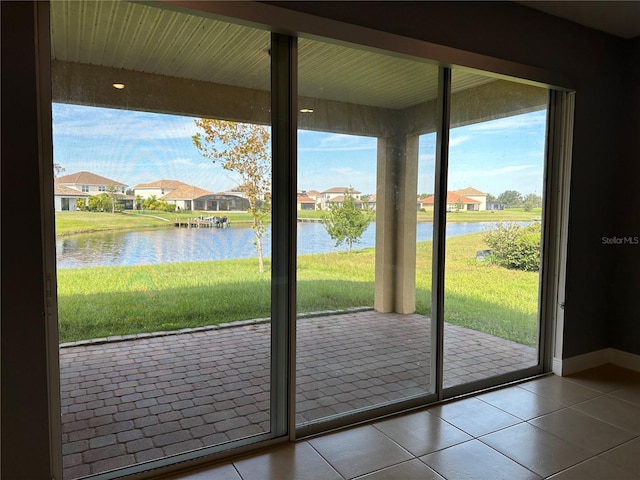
{"x":138,"y":147}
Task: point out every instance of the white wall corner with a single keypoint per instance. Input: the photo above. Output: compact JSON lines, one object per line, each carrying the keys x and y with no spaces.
{"x":571,"y":365}
{"x":625,"y":359}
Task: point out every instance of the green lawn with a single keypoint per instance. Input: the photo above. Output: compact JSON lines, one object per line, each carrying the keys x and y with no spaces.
{"x":105,"y":301}
{"x":508,"y":215}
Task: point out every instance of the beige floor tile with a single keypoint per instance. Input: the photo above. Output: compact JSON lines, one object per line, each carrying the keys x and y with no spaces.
{"x":221,"y":472}
{"x":595,"y":469}
{"x":297,"y":461}
{"x":536,"y":449}
{"x":628,"y":394}
{"x":606,"y":378}
{"x":520,"y":402}
{"x":411,"y":470}
{"x":560,"y":390}
{"x":474,"y":460}
{"x":474,"y":416}
{"x":626,"y":456}
{"x":359,"y":451}
{"x":582,"y":430}
{"x":421,"y":432}
{"x":617,"y":412}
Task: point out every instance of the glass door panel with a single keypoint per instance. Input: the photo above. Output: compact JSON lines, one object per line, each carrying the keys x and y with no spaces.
{"x":365,"y":148}
{"x":494,"y":228}
{"x":164,"y":312}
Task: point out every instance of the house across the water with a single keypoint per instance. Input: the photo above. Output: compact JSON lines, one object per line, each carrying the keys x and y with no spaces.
{"x":78,"y":187}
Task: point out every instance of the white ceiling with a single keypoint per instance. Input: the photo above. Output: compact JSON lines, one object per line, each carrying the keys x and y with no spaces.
{"x":144,"y":38}
{"x":617,"y":18}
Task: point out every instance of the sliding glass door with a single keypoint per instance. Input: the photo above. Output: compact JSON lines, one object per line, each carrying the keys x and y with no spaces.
{"x":162,"y":151}
{"x":494,"y":223}
{"x":191,"y":323}
{"x":365,"y":158}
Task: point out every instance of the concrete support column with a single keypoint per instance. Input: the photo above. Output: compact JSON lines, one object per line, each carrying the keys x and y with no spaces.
{"x":396,"y":209}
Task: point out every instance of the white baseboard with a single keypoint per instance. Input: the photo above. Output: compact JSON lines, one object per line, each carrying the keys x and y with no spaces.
{"x":568,"y":366}
{"x":625,"y":359}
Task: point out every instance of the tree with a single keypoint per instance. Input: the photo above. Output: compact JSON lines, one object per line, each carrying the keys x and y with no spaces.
{"x":100,"y":203}
{"x":57,"y":170}
{"x":242,"y":148}
{"x":153,"y":203}
{"x":510,"y":198}
{"x":514,"y":246}
{"x":531,"y":201}
{"x":346,"y":222}
{"x":491,"y":198}
{"x":115,"y":196}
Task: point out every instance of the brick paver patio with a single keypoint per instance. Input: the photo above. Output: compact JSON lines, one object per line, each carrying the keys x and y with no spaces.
{"x":125,"y":402}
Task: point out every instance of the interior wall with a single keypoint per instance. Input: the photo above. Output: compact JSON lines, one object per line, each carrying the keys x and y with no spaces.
{"x":593,"y":61}
{"x":626,"y":278}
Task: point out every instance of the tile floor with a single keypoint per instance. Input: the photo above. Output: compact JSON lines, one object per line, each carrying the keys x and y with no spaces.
{"x":582,"y":427}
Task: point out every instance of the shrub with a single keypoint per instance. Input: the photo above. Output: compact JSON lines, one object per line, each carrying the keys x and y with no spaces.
{"x":515,"y":246}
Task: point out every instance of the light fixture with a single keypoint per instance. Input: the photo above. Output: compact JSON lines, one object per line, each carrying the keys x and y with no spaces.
{"x":306,"y":110}
{"x":118,"y":86}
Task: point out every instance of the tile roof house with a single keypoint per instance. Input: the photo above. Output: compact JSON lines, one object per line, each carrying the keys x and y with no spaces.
{"x":184,"y":196}
{"x":371,"y":201}
{"x":336,"y":195}
{"x":306,"y":203}
{"x":455,"y":202}
{"x":314,"y":194}
{"x":339,"y":200}
{"x":158,"y":188}
{"x":174,"y":192}
{"x":87,"y":182}
{"x":474,"y":194}
{"x":66,"y":198}
{"x":69,"y":188}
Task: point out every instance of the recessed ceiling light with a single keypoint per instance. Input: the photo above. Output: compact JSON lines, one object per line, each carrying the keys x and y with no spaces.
{"x":306,"y":110}
{"x":118,"y":86}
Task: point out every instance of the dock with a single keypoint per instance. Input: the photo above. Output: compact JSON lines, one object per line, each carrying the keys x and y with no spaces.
{"x":203,"y":222}
{"x":310,"y":220}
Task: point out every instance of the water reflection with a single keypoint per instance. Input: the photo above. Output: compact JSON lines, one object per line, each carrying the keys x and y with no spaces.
{"x":173,"y":245}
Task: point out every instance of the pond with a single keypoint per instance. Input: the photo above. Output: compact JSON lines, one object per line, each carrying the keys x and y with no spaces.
{"x":173,"y":245}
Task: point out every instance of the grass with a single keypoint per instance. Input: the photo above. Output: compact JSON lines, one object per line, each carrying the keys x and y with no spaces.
{"x":508,"y":215}
{"x":106,"y":301}
{"x":72,"y":223}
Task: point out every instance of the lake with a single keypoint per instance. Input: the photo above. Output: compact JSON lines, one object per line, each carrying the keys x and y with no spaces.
{"x":173,"y":245}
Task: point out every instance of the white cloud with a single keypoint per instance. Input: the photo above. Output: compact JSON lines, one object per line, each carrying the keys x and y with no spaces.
{"x":183,"y":161}
{"x":337,"y":142}
{"x":346,"y":171}
{"x":125,"y":125}
{"x":491,"y":172}
{"x":510,"y":123}
{"x":454,"y":142}
{"x":429,"y":158}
